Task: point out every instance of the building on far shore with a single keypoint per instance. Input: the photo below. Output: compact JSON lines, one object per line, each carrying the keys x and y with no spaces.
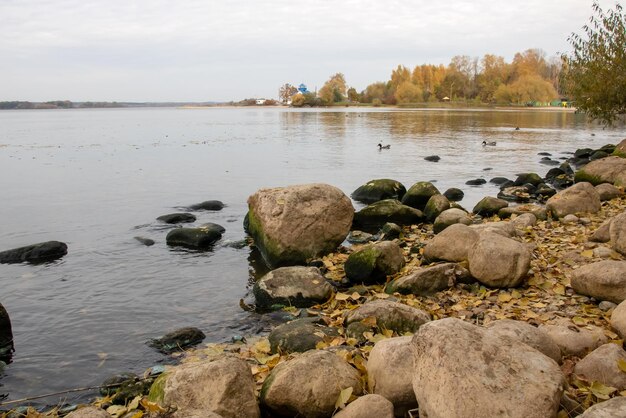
{"x":260,"y":101}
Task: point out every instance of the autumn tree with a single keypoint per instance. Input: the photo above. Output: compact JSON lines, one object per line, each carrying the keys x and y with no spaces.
{"x":400,"y":75}
{"x":493,"y":73}
{"x":594,"y":73}
{"x":407,"y":92}
{"x":353,"y":95}
{"x":526,"y":89}
{"x":530,"y":62}
{"x":286,"y":92}
{"x":378,"y":91}
{"x":334,"y":90}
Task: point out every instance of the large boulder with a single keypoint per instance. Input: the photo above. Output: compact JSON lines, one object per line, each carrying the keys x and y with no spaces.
{"x":374,"y":262}
{"x":380,"y":189}
{"x":452,"y":244}
{"x":435,"y":206}
{"x":617,"y":233}
{"x":368,"y":406}
{"x":374,"y":216}
{"x":574,"y":340}
{"x":224,"y":387}
{"x":299,"y":335}
{"x":450,"y":217}
{"x":308,"y":386}
{"x":489,"y":206}
{"x":605,"y":170}
{"x":601,"y":365}
{"x":388,"y":315}
{"x":291,"y":225}
{"x":6,"y":336}
{"x":603,"y":280}
{"x":390,"y":373}
{"x":292,"y":286}
{"x":618,"y":319}
{"x":498,"y":261}
{"x":613,"y":408}
{"x":528,"y":334}
{"x":36,"y":253}
{"x":202,"y":237}
{"x":607,"y":191}
{"x":580,"y":198}
{"x":418,"y":194}
{"x":428,"y":280}
{"x":462,"y":370}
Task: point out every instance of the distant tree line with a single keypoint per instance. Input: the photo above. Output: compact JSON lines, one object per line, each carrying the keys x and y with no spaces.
{"x":57,"y":104}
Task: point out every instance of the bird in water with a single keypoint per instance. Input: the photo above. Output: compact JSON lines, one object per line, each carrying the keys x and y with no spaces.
{"x":381,"y":146}
{"x":493,"y":144}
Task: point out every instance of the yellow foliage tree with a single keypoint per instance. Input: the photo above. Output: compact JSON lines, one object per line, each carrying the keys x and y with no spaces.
{"x":408,"y":92}
{"x":334,"y":90}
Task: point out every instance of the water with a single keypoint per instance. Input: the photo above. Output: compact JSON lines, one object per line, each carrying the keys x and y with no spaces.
{"x":97,"y":178}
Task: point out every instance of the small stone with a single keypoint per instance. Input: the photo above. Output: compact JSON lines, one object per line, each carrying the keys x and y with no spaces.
{"x":570,"y":219}
{"x":606,"y":306}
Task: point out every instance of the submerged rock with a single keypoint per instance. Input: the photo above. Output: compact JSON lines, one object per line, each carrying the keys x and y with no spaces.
{"x":203,"y":237}
{"x":454,"y":195}
{"x":433,"y":158}
{"x":6,"y":336}
{"x":376,"y":190}
{"x":213,"y":205}
{"x":178,"y":340}
{"x":476,"y":182}
{"x":177,"y":218}
{"x":36,"y":253}
{"x":145,"y":241}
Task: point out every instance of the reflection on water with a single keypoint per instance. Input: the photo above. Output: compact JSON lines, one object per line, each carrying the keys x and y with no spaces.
{"x":88,"y":177}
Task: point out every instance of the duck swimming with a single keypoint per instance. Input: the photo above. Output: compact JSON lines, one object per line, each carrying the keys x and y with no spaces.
{"x":381,"y":146}
{"x":493,"y":144}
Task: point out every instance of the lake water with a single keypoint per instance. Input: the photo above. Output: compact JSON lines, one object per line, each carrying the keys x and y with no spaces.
{"x":97,"y":178}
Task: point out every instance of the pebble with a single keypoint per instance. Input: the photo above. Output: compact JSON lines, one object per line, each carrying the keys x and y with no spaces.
{"x":606,"y":306}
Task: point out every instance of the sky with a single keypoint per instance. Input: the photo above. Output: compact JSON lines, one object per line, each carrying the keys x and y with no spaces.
{"x":228,"y":50}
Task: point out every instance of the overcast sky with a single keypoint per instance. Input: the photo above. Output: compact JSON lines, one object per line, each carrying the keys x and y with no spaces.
{"x":222,"y":50}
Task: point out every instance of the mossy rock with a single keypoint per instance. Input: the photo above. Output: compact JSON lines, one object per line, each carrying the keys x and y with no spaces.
{"x":376,"y":190}
{"x":528,"y":178}
{"x":581,"y":176}
{"x":157,"y":390}
{"x":436,"y":204}
{"x":489,"y":206}
{"x":202,"y":237}
{"x":419,"y":194}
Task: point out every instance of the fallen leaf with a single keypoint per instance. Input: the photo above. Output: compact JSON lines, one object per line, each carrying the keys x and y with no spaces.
{"x":343,"y":398}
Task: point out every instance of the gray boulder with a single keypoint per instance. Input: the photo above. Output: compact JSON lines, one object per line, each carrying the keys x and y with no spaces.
{"x":524,"y":221}
{"x":390,"y":373}
{"x":212,"y":205}
{"x":308,"y":386}
{"x":608,"y":192}
{"x":498,"y":261}
{"x":368,"y":406}
{"x":224,"y":387}
{"x":435,"y":206}
{"x":489,"y":206}
{"x":389,"y":315}
{"x":450,"y":217}
{"x":601,"y":365}
{"x":618,"y":320}
{"x":613,"y":408}
{"x":299,"y":335}
{"x":202,"y":237}
{"x":374,"y":262}
{"x":603,"y":280}
{"x":177,"y":218}
{"x":428,"y":280}
{"x":605,"y":170}
{"x":36,"y":253}
{"x":452,"y":244}
{"x":6,"y":336}
{"x":574,"y":340}
{"x":374,"y":216}
{"x":418,"y":194}
{"x":462,"y":370}
{"x":291,"y":225}
{"x":380,"y":189}
{"x":506,"y":229}
{"x":292,"y":286}
{"x":528,"y":334}
{"x":580,"y":198}
{"x":617,"y":233}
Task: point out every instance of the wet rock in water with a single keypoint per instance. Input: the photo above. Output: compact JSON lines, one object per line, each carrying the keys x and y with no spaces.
{"x":360,"y":237}
{"x":498,"y":261}
{"x":547,"y":154}
{"x":544,"y":191}
{"x":390,"y":373}
{"x":213,"y":205}
{"x":291,"y":286}
{"x":617,"y":233}
{"x":581,"y":197}
{"x":374,"y":216}
{"x":89,"y":412}
{"x":450,"y":217}
{"x":425,"y":281}
{"x":618,"y":320}
{"x":373,"y":263}
{"x":583,"y":152}
{"x":6,"y":336}
{"x":476,"y":182}
{"x":601,"y":365}
{"x":603,"y":280}
{"x":223,"y":387}
{"x":528,"y":334}
{"x":308,"y":385}
{"x":454,"y":195}
{"x":368,"y":406}
{"x":432,"y":158}
{"x":390,"y":231}
{"x":489,"y":206}
{"x":299,"y":335}
{"x":499,"y":180}
{"x":177,"y":218}
{"x":553,"y":173}
{"x":452,"y":244}
{"x":436,"y":204}
{"x":548,"y":161}
{"x":528,"y":178}
{"x":202,"y":237}
{"x":598,"y":155}
{"x":125,"y":387}
{"x":376,"y":190}
{"x":418,"y":195}
{"x":538,"y":211}
{"x":36,"y":253}
{"x":389,"y":315}
{"x":574,"y":340}
{"x":613,"y":408}
{"x":608,"y":192}
{"x":453,"y":358}
{"x":111,"y":384}
{"x":606,"y":170}
{"x":291,"y":225}
{"x":178,"y":340}
{"x":145,"y":241}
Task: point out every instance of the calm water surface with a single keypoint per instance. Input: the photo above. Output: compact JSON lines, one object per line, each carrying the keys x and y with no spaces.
{"x":97,"y":178}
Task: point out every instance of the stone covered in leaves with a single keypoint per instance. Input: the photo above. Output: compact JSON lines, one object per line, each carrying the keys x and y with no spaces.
{"x":376,"y":190}
{"x":462,"y":370}
{"x":604,"y":280}
{"x":498,"y":261}
{"x":299,"y":335}
{"x":36,"y":253}
{"x":291,"y":286}
{"x":374,"y":216}
{"x":178,"y":340}
{"x":374,"y":262}
{"x":309,"y":385}
{"x":418,"y":194}
{"x":202,"y":237}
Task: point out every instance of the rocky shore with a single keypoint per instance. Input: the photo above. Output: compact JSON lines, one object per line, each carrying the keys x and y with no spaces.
{"x":515,"y":308}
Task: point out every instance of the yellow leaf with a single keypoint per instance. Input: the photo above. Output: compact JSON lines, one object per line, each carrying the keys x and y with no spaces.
{"x":621,"y":363}
{"x":381,"y":295}
{"x":342,"y":296}
{"x":263,"y":346}
{"x":355,"y":296}
{"x":504,"y":297}
{"x":134,"y":404}
{"x":321,"y":345}
{"x":587,"y":253}
{"x":601,"y":391}
{"x":559,"y":289}
{"x":344,"y":396}
{"x":579,"y":320}
{"x":151,"y":406}
{"x":116,"y":410}
{"x":369,"y":321}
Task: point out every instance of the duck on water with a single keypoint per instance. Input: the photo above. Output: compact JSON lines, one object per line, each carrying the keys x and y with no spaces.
{"x":381,"y":146}
{"x":492,"y":144}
